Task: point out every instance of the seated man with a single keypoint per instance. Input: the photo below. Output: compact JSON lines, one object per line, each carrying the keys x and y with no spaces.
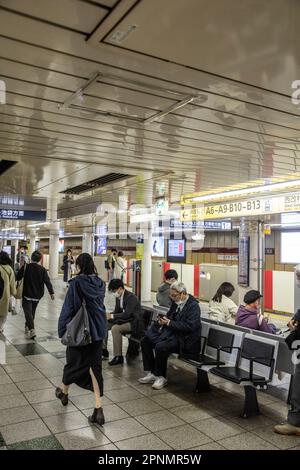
{"x":163,"y":293}
{"x":177,"y":332}
{"x":124,"y":319}
{"x":249,"y":316}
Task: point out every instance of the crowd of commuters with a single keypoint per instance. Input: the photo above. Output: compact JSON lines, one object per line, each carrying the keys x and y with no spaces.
{"x":178,"y":331}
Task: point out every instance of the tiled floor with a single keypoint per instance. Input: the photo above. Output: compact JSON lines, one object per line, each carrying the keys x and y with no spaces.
{"x":137,"y":417}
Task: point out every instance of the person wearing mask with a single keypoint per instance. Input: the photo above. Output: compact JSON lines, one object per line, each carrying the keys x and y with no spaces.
{"x":178,"y":331}
{"x":8,"y":284}
{"x":111,"y":264}
{"x":221,"y":307}
{"x":68,"y":262}
{"x":292,"y":426}
{"x":120,"y":266}
{"x":249,"y":316}
{"x":125,"y":318}
{"x":163,"y":293}
{"x":84,"y":363}
{"x":35,"y":278}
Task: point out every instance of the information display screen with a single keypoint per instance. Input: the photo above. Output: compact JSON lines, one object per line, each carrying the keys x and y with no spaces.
{"x":158,"y":247}
{"x":61,"y":246}
{"x":176,"y":251}
{"x":290,"y":247}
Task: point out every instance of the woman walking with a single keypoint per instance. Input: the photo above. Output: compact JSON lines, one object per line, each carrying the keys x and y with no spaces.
{"x":9,"y":286}
{"x":120,"y":266}
{"x":84,"y":367}
{"x":68,"y":262}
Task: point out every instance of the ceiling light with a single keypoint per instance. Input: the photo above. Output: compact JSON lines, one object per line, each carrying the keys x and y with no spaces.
{"x":245,"y":192}
{"x":9,"y":228}
{"x":38,"y":224}
{"x":171,"y":109}
{"x":79,"y":93}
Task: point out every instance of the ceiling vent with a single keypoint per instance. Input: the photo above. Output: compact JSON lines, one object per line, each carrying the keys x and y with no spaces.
{"x":96,"y":183}
{"x":6,"y":165}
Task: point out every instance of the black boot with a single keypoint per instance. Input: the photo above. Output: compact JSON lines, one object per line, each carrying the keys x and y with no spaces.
{"x":97,"y":417}
{"x":105,"y":354}
{"x":116,"y":360}
{"x":63,"y":397}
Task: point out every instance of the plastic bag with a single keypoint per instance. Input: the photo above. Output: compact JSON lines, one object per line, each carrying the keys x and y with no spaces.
{"x":14,"y":306}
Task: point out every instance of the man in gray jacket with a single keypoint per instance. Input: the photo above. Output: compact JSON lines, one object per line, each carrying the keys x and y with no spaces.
{"x":163,"y":293}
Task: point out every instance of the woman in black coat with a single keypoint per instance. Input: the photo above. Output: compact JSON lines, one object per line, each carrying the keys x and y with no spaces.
{"x":83,"y":365}
{"x":68,"y":261}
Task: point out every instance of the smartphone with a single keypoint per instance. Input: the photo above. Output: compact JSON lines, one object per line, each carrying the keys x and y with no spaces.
{"x":161,"y":315}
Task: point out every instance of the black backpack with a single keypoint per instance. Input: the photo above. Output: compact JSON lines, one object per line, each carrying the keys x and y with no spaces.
{"x":1,"y":286}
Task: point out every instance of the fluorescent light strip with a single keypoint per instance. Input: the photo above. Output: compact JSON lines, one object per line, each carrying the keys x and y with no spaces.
{"x":254,"y":190}
{"x":171,"y":109}
{"x":37,"y":225}
{"x":80,"y":91}
{"x":9,"y":228}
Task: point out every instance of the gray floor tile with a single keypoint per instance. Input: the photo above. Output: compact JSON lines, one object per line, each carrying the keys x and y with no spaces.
{"x":111,"y":413}
{"x":21,"y":376}
{"x":3,"y":448}
{"x":183,"y":436}
{"x":24,"y":431}
{"x":169,"y":400}
{"x":147,"y":442}
{"x":218,"y":428}
{"x":16,"y":359}
{"x":12,"y":401}
{"x":50,"y":408}
{"x":111,"y":383}
{"x":17,"y":415}
{"x":87,"y":401}
{"x":66,"y":422}
{"x":38,"y":396}
{"x":123,"y":429}
{"x":159,"y":420}
{"x":140,"y":406}
{"x":40,"y":443}
{"x":84,"y":438}
{"x":5,"y":379}
{"x":210,"y":446}
{"x":8,"y":389}
{"x":104,"y":448}
{"x":255,"y":422}
{"x":32,"y":385}
{"x":124,"y":394}
{"x":76,"y":391}
{"x":192,"y":413}
{"x":283,"y":442}
{"x":246,"y":441}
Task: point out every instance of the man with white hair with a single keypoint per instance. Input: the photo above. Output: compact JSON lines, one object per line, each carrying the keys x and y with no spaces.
{"x":176,"y":332}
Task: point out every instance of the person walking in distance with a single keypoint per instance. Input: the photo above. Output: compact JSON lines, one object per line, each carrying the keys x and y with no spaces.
{"x":7,"y":286}
{"x":35,"y":278}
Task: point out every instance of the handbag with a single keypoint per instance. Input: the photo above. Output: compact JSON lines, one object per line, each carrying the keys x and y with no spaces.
{"x":20,"y":285}
{"x":77,"y":333}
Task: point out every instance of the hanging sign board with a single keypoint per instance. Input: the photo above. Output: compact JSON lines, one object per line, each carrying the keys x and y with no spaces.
{"x":241,"y":208}
{"x":243,"y":267}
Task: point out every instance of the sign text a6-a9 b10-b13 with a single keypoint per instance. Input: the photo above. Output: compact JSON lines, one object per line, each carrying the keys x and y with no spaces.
{"x":245,"y":207}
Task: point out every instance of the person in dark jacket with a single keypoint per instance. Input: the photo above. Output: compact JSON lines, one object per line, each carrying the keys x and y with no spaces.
{"x":177,"y":332}
{"x":163,"y":293}
{"x":124,"y":319}
{"x":249,"y":316}
{"x":292,"y":426}
{"x":68,"y":262}
{"x":35,"y":279}
{"x":84,"y":363}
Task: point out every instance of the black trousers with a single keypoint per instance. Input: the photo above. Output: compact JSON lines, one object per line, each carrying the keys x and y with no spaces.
{"x":29,"y":307}
{"x":294,"y":413}
{"x":155,"y":356}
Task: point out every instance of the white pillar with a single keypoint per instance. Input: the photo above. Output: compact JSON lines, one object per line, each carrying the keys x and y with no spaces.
{"x":146,"y":267}
{"x":32,"y":241}
{"x":15,"y":243}
{"x":54,"y":239}
{"x":88,"y":243}
{"x":255,"y":231}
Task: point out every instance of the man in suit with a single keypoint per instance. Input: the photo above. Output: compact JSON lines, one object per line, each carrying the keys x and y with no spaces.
{"x":125,"y":318}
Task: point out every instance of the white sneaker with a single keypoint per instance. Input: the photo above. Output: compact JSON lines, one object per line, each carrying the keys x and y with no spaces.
{"x":148,"y":379}
{"x":31,"y":334}
{"x":159,"y":383}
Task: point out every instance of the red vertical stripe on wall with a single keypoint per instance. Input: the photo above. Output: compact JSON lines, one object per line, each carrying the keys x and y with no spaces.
{"x":196,"y":280}
{"x":268,"y":294}
{"x":166,"y":266}
{"x":128,"y":272}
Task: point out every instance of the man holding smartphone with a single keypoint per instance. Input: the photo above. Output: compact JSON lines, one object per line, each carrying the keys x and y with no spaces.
{"x":176,"y":332}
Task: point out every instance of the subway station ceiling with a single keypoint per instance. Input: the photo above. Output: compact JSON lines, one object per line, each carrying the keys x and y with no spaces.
{"x":179,"y":95}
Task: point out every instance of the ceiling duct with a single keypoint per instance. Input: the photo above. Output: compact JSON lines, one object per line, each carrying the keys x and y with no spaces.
{"x":96,"y":183}
{"x":6,"y":165}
